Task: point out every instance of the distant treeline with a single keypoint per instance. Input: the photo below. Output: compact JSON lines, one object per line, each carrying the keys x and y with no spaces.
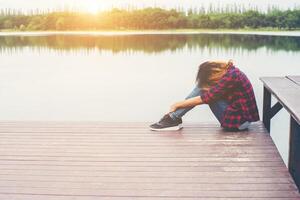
{"x":152,"y":18}
{"x":150,"y":43}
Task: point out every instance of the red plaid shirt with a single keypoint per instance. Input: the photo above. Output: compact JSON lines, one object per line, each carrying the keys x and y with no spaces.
{"x":236,"y":88}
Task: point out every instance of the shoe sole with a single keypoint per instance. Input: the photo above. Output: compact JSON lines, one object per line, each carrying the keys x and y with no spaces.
{"x":173,"y":128}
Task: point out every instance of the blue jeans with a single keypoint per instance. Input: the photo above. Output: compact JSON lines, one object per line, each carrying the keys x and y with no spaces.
{"x":218,"y":108}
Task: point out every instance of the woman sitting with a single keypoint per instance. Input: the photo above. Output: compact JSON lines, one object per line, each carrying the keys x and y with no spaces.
{"x":226,"y":90}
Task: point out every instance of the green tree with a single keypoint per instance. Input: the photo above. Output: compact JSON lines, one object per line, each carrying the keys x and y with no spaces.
{"x":291,"y":19}
{"x":154,"y":18}
{"x":22,"y":27}
{"x":8,"y":24}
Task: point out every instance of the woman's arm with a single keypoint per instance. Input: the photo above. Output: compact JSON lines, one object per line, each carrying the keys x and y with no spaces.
{"x":186,"y":103}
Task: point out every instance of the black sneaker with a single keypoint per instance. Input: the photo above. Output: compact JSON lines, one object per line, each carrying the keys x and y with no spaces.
{"x":167,"y":124}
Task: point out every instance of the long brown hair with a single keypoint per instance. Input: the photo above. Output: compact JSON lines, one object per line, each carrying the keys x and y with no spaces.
{"x":209,"y":73}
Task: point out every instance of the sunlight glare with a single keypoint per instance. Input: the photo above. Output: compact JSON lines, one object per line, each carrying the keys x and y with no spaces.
{"x":93,"y":6}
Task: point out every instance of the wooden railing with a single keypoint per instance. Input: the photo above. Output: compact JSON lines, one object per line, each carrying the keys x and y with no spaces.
{"x":287,"y":92}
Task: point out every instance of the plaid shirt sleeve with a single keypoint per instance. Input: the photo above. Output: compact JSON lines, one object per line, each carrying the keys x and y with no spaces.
{"x":220,"y":89}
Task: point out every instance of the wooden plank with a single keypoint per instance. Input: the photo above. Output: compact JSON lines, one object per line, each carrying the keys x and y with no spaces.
{"x":128,"y":138}
{"x":151,"y":193}
{"x":4,"y":155}
{"x":45,"y":168}
{"x":144,"y":149}
{"x":70,"y":197}
{"x":124,"y":145}
{"x":138,"y":164}
{"x":185,"y":186}
{"x":158,"y":180}
{"x":104,"y":125}
{"x":143,"y":159}
{"x":109,"y":131}
{"x":147,"y":150}
{"x":153,"y":186}
{"x":171,"y":174}
{"x":287,"y":93}
{"x":137,"y":143}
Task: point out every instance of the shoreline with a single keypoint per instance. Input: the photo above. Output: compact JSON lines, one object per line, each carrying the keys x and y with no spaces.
{"x":295,"y":33}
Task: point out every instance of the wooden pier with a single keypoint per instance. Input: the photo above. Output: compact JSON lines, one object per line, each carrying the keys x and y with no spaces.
{"x":90,"y":160}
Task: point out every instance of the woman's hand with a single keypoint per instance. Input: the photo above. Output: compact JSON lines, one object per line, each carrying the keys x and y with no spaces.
{"x":173,"y":108}
{"x":186,"y":103}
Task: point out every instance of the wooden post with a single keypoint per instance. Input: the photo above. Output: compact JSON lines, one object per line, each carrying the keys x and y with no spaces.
{"x":294,"y":151}
{"x":266,"y":109}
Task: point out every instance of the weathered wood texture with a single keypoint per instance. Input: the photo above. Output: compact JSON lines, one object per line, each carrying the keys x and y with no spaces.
{"x":287,"y":92}
{"x":87,"y":161}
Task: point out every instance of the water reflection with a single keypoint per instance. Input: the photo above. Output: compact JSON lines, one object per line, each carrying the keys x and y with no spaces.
{"x":149,"y":44}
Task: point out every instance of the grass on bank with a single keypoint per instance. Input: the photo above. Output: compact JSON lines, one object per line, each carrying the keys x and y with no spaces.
{"x":160,"y":30}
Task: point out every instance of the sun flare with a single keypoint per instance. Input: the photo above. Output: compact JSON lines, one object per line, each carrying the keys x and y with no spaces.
{"x":93,"y":6}
{"x":93,"y":10}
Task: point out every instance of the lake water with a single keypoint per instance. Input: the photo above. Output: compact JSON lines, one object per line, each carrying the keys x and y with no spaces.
{"x":131,"y":77}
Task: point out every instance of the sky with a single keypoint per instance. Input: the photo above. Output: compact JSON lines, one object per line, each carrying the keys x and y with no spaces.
{"x":95,"y":5}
